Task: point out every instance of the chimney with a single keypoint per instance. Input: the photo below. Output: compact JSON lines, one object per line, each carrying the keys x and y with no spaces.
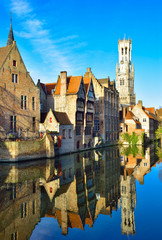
{"x":88,"y":69}
{"x":63,"y":83}
{"x":38,"y":80}
{"x":124,"y":113}
{"x":139,"y":103}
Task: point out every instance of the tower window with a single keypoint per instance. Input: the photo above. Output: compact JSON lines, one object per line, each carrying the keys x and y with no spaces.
{"x":122,"y":51}
{"x":121,"y":82}
{"x":125,"y":50}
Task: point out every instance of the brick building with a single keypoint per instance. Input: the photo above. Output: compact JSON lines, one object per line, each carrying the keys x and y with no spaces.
{"x":46,"y":96}
{"x":77,"y":100}
{"x":106,"y":117}
{"x":139,"y":119}
{"x":19,"y":97}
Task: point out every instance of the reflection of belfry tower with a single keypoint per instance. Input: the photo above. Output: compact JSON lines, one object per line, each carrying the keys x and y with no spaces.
{"x":125,"y":73}
{"x":128,"y":202}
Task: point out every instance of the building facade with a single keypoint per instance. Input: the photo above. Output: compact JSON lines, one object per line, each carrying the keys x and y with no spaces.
{"x":106,"y":117}
{"x":71,"y":96}
{"x":125,"y":74}
{"x":19,"y":97}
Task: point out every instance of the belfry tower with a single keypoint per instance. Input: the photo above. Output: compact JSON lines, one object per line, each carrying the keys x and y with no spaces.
{"x":125,"y":74}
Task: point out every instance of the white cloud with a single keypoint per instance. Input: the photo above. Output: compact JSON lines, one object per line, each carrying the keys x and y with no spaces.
{"x":58,"y":53}
{"x":20,"y":7}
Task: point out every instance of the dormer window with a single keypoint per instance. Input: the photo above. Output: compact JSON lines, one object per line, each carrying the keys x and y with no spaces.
{"x":14,"y":63}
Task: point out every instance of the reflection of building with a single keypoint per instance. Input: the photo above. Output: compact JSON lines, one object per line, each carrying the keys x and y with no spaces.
{"x":127,"y":203}
{"x":107,"y":181}
{"x":20,"y":199}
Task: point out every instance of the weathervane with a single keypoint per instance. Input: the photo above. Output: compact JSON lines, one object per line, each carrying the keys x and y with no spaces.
{"x":10,"y":17}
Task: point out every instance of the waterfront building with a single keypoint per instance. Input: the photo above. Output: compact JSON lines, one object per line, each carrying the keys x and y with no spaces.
{"x":106,"y":117}
{"x":125,"y":74}
{"x":60,"y":128}
{"x":19,"y":97}
{"x":159,"y":116}
{"x":139,"y":119}
{"x":46,"y":96}
{"x":76,"y":99}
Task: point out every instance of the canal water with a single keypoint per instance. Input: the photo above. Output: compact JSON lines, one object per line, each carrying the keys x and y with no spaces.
{"x":111,"y":193}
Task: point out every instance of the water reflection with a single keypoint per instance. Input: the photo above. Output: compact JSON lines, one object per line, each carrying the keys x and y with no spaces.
{"x":74,"y":190}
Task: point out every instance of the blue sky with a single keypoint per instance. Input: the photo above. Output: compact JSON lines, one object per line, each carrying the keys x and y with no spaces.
{"x":71,"y":35}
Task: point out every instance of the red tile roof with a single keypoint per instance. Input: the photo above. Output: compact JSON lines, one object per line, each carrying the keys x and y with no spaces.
{"x":73,"y":84}
{"x":75,"y":220}
{"x":150,"y":115}
{"x":151,"y":110}
{"x":50,"y":87}
{"x":131,"y":116}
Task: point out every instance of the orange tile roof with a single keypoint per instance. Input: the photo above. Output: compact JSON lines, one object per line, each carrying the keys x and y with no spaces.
{"x":151,"y":110}
{"x":131,"y":116}
{"x":75,"y":220}
{"x":73,"y":84}
{"x":50,"y":87}
{"x":3,"y":53}
{"x":148,"y":114}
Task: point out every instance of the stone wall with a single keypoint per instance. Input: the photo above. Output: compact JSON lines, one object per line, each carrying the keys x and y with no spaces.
{"x":25,"y":150}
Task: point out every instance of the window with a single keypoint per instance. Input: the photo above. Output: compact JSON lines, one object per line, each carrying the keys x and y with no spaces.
{"x":14,"y":78}
{"x":33,"y":103}
{"x":121,"y":82}
{"x":145,"y":164}
{"x":14,"y":236}
{"x":50,"y":120}
{"x":78,"y":130}
{"x":90,"y":194}
{"x":14,"y":63}
{"x":13,"y":123}
{"x":34,"y":187}
{"x":125,"y":50}
{"x":144,"y":119}
{"x":70,"y":133}
{"x":23,"y":210}
{"x":64,"y":133}
{"x":70,"y":172}
{"x":79,"y":116}
{"x":88,"y":131}
{"x":124,"y":189}
{"x":90,"y":182}
{"x":122,"y":51}
{"x":23,"y":102}
{"x":89,"y":117}
{"x":64,"y":174}
{"x":121,"y":129}
{"x":13,"y":192}
{"x":34,"y":207}
{"x":34,"y":124}
{"x":96,"y":125}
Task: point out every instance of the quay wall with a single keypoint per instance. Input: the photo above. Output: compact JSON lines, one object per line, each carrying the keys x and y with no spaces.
{"x":11,"y":151}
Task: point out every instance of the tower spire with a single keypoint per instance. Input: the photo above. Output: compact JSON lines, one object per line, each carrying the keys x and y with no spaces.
{"x":10,"y":36}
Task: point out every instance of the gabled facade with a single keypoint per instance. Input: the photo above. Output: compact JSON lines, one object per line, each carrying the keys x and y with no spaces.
{"x":61,"y":128}
{"x":70,"y":97}
{"x":46,"y":96}
{"x":19,"y":97}
{"x":139,"y":120}
{"x":106,"y":117}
